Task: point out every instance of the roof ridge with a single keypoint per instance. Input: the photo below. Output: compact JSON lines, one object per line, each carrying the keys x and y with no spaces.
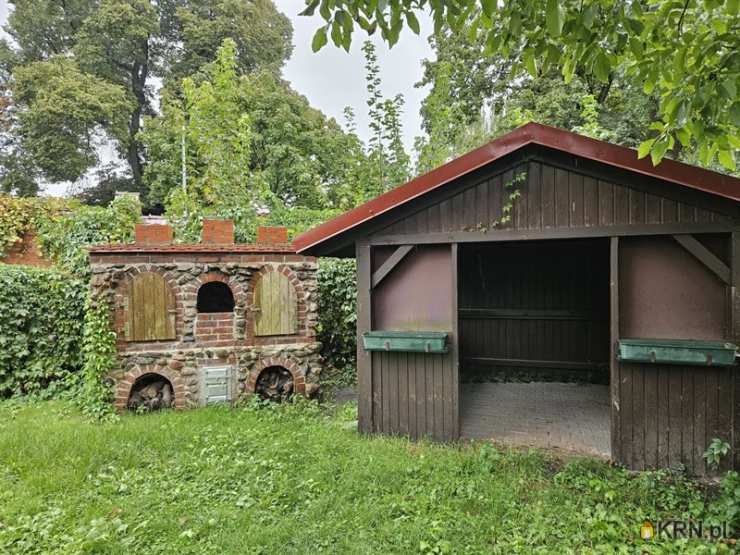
{"x":554,"y":138}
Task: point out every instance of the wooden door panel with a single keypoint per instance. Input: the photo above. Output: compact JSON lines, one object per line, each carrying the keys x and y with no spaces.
{"x":275,"y":305}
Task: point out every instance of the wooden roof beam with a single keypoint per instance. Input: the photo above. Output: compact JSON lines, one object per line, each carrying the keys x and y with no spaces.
{"x":387,"y":266}
{"x":705,"y":256}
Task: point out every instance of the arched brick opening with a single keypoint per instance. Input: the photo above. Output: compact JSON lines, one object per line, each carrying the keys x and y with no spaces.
{"x":299,"y":377}
{"x":124,"y":386}
{"x":214,"y":328}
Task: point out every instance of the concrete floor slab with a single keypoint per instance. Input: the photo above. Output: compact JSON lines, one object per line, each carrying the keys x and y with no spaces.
{"x":572,"y":417}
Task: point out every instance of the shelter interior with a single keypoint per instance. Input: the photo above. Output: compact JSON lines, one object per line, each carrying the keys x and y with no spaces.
{"x":534,"y":342}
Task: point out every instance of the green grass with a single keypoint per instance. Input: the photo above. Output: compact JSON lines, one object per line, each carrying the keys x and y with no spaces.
{"x":295,"y":480}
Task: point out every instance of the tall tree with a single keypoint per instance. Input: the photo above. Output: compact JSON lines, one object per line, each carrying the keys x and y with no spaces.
{"x":288,"y":155}
{"x":388,"y":163}
{"x":687,"y":53}
{"x":129,"y":44}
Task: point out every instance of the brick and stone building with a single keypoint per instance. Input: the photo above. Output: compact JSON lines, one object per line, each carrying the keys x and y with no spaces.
{"x":209,"y":322}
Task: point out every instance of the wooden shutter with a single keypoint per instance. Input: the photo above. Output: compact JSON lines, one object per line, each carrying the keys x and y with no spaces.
{"x":151,"y":315}
{"x":275,"y":305}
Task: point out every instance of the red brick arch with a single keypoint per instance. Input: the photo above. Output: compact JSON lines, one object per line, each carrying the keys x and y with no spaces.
{"x":123,"y":389}
{"x":236,"y":289}
{"x":299,"y":377}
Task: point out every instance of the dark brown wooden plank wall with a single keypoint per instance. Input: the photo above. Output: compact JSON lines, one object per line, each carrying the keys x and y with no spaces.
{"x":414,"y":394}
{"x":551,"y":197}
{"x":534,"y":301}
{"x":669,"y":414}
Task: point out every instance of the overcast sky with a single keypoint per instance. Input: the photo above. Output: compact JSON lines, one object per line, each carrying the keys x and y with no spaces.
{"x":332,"y":78}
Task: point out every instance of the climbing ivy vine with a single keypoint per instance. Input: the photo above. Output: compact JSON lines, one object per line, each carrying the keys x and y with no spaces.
{"x":99,"y":355}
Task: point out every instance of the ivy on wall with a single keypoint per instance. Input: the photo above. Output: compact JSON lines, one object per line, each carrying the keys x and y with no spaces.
{"x":21,"y":215}
{"x":99,"y":355}
{"x":338,"y":315}
{"x":65,"y":237}
{"x":41,"y":315}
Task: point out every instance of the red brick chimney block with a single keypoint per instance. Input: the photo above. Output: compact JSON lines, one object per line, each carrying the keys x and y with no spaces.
{"x":272,"y":235}
{"x":218,"y":232}
{"x":153,"y":234}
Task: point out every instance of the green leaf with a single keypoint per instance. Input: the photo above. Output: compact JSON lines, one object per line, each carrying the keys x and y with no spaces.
{"x":554,"y":18}
{"x":311,"y":8}
{"x":529,"y":62}
{"x":488,"y":6}
{"x":644,"y":148}
{"x":659,"y":149}
{"x":602,"y":66}
{"x":727,"y":159}
{"x":684,"y":137}
{"x":412,"y":22}
{"x":319,"y":39}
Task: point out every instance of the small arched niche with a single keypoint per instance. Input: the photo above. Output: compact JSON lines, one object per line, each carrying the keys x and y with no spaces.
{"x":151,"y":392}
{"x":215,"y":297}
{"x":275,"y":383}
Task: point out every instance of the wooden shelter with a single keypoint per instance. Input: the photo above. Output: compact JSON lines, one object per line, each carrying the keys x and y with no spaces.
{"x":546,"y":250}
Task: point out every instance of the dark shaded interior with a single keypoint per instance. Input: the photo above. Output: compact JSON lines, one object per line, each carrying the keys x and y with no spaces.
{"x":534,"y":311}
{"x":275,"y":383}
{"x":151,"y":392}
{"x":215,"y":297}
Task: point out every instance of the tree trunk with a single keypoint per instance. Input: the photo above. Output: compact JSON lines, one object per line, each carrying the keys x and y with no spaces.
{"x":139,"y":75}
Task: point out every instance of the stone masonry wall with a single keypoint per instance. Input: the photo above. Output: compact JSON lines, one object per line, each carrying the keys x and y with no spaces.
{"x":204,"y":340}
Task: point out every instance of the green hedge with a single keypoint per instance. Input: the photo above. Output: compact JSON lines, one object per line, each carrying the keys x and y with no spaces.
{"x":338,"y":315}
{"x":41,"y":319}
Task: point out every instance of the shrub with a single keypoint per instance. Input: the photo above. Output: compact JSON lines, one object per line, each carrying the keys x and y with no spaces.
{"x":65,"y":237}
{"x":41,"y":317}
{"x":338,"y":315}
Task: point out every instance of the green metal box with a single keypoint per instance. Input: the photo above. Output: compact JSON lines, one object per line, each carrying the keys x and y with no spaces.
{"x":677,"y":351}
{"x":405,"y":341}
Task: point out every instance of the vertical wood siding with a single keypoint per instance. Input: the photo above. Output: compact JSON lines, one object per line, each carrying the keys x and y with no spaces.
{"x":275,"y":305}
{"x":546,"y":303}
{"x":669,"y":414}
{"x":151,"y":313}
{"x":551,"y":197}
{"x":413,"y":394}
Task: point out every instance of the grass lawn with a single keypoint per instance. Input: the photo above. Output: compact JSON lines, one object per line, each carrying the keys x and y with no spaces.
{"x":294,"y":479}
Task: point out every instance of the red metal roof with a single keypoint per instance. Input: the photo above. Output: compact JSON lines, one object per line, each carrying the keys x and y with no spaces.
{"x":193,"y":248}
{"x":531,"y":133}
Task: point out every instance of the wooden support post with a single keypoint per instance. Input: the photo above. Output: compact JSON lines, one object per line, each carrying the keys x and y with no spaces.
{"x":614,"y":373}
{"x":705,"y":256}
{"x":387,"y":266}
{"x":734,"y":335}
{"x":455,"y":349}
{"x":364,"y":323}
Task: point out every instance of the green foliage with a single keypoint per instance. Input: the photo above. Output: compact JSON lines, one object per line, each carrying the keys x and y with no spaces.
{"x":473,"y":99}
{"x":338,"y":315}
{"x":251,"y":146}
{"x":65,"y":237}
{"x":99,"y":353}
{"x":60,"y":112}
{"x":726,"y":507}
{"x":71,"y":486}
{"x":261,"y":33}
{"x":22,"y":215}
{"x":685,"y":53}
{"x":100,"y":59}
{"x":717,"y":449}
{"x":41,"y":312}
{"x":388,"y":164}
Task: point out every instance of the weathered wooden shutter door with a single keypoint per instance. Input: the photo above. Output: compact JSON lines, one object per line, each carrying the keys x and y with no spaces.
{"x":216,"y":385}
{"x":152,"y":309}
{"x":275,"y":305}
